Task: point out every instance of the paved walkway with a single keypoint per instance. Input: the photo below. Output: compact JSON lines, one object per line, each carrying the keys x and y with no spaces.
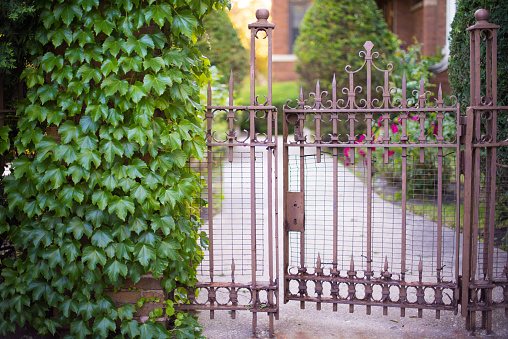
{"x":232,"y":223}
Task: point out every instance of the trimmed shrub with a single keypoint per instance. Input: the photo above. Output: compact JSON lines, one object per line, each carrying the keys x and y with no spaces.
{"x":331,"y":36}
{"x":221,"y":44}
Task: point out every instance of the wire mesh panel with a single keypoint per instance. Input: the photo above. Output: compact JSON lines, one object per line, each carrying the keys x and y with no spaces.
{"x":372,"y":197}
{"x":231,"y":213}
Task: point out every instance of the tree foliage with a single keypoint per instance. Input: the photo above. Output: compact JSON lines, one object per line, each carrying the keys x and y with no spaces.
{"x":100,"y":189}
{"x":332,"y":34}
{"x":459,"y":75}
{"x":221,"y":44}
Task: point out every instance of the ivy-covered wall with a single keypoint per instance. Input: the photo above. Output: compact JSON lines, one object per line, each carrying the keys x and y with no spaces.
{"x":100,"y":188}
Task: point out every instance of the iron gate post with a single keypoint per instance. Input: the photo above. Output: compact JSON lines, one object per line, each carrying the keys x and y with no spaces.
{"x":481,"y":134}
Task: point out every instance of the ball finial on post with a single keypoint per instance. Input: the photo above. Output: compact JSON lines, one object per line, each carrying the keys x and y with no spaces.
{"x":481,"y":15}
{"x":262,"y":14}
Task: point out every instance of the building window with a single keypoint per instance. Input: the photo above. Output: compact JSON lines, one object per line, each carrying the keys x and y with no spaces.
{"x":386,"y":6}
{"x":296,"y":12}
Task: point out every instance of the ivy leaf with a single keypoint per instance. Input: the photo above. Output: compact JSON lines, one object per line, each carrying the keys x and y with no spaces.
{"x":112,"y":84}
{"x":138,"y":224}
{"x":109,"y":148}
{"x":47,"y":93}
{"x":114,"y":268}
{"x":69,"y":193}
{"x":154,"y":63}
{"x":69,"y":131}
{"x":74,"y":54}
{"x":126,"y":312}
{"x":130,"y":328}
{"x":56,"y":175}
{"x":88,"y":124}
{"x":122,"y":232}
{"x":59,"y":35}
{"x":67,"y":306}
{"x":84,"y":37}
{"x":71,"y":250}
{"x":136,"y":92}
{"x":158,"y":83}
{"x":87,"y":156}
{"x":109,"y":65}
{"x":158,"y":13}
{"x":97,"y":111}
{"x":78,"y":172}
{"x":166,"y":224}
{"x":184,"y":23}
{"x":101,"y":198}
{"x":139,"y":192}
{"x":67,"y":153}
{"x":78,"y":227}
{"x":180,"y":91}
{"x":178,"y":158}
{"x":121,"y":206}
{"x":103,"y":25}
{"x":148,"y":331}
{"x":124,"y":249}
{"x":159,"y":266}
{"x":96,"y":216}
{"x":87,"y":72}
{"x":88,"y":141}
{"x":102,"y":237}
{"x":151,"y":180}
{"x":131,"y":63}
{"x":80,"y":328}
{"x":109,"y":180}
{"x":67,"y":12}
{"x":113,"y":45}
{"x":88,"y":309}
{"x":54,"y":256}
{"x":138,"y":45}
{"x":93,"y":53}
{"x":159,"y":39}
{"x":144,"y":253}
{"x":93,"y":256}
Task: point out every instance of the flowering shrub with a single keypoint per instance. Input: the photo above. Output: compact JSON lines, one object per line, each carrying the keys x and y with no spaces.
{"x":421,"y":177}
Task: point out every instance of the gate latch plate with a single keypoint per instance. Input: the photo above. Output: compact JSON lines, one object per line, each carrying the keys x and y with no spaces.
{"x":295,"y":211}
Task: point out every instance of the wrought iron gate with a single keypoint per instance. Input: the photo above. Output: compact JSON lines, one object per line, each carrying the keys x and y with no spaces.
{"x":361,"y":234}
{"x":239,"y":176}
{"x":389,"y":199}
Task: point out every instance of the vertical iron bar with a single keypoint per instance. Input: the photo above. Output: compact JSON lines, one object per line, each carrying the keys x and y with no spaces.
{"x":458,"y":207}
{"x":269,"y":155}
{"x":209,"y":168}
{"x":404,"y":138}
{"x":252,"y":118}
{"x":468,"y":214}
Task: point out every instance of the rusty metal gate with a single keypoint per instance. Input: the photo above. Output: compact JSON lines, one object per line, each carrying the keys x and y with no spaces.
{"x":390,"y":198}
{"x":365,"y":217}
{"x":239,"y":176}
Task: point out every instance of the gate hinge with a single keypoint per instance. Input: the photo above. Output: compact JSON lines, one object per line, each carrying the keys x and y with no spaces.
{"x":462,"y":129}
{"x":462,"y":162}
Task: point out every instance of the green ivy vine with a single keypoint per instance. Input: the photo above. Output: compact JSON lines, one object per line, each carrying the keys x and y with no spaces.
{"x":100,"y":189}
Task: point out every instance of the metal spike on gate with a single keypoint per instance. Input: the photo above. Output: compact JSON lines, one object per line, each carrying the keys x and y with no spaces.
{"x":318,"y":285}
{"x":420,"y":297}
{"x":351,"y":286}
{"x":233,"y":296}
{"x":231,"y":117}
{"x":334,"y":92}
{"x":233,"y":270}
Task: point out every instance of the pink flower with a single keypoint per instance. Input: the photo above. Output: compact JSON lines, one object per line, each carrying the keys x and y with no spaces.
{"x":395,"y":128}
{"x":361,"y":138}
{"x":414,"y":118}
{"x":346,"y":152}
{"x":435,"y":128}
{"x":362,"y":152}
{"x":400,"y":121}
{"x":390,"y":154}
{"x":379,"y":121}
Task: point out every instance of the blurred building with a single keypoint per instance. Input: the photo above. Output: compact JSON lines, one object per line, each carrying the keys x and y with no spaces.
{"x":428,"y":21}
